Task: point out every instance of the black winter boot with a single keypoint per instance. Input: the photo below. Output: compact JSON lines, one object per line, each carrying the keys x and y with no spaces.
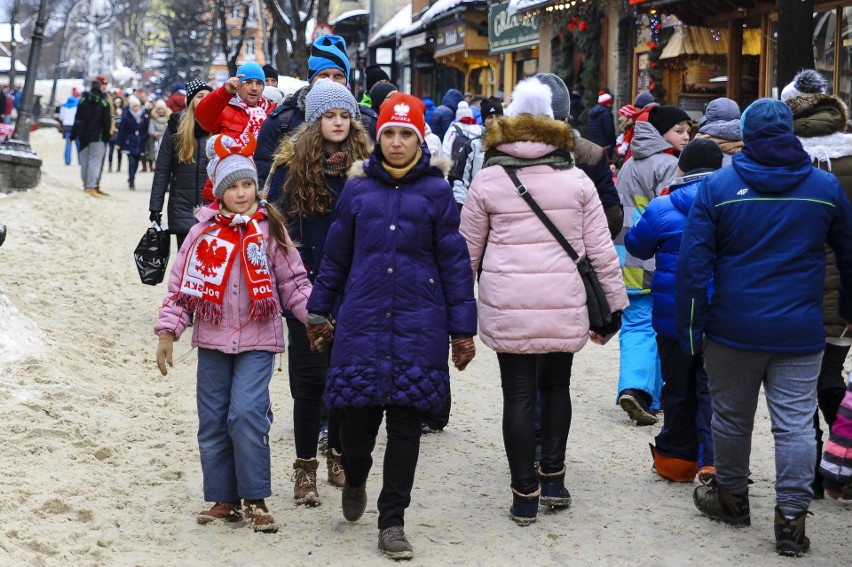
{"x":553,"y":491}
{"x":524,"y":507}
{"x":790,"y":538}
{"x":718,"y":504}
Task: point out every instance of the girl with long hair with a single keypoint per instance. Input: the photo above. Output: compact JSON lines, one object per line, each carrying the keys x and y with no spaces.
{"x":181,"y":166}
{"x":310,"y":171}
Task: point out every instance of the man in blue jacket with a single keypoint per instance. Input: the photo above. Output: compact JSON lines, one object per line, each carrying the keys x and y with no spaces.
{"x":445,"y":114}
{"x":758,"y":229}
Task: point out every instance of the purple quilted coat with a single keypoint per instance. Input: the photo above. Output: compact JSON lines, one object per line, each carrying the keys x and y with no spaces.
{"x":396,"y":256}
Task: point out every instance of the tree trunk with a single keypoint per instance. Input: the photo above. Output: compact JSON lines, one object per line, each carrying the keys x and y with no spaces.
{"x":281,"y":32}
{"x":322,"y":12}
{"x":238,"y":48}
{"x":795,"y":39}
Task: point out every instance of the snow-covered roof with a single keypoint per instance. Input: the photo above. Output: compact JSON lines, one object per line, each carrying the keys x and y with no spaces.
{"x":6,"y":33}
{"x":4,"y":65}
{"x":440,"y":8}
{"x":347,"y":15}
{"x":516,"y":6}
{"x":396,"y":24}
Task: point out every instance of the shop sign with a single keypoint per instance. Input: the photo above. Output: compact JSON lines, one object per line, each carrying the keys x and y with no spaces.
{"x":510,"y":33}
{"x":449,"y":37}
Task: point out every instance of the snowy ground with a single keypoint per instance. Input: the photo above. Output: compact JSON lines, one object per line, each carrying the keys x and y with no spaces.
{"x":100,"y":464}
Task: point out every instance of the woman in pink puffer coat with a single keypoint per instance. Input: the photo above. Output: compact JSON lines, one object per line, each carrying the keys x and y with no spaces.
{"x":532,"y":303}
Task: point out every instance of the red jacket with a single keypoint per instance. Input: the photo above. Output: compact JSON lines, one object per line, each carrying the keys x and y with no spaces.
{"x":176,"y":102}
{"x":221,"y":113}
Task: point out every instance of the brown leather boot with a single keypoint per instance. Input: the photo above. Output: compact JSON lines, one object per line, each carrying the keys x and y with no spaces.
{"x":259,"y":517}
{"x":334,"y":462}
{"x":221,"y":511}
{"x":305,"y":479}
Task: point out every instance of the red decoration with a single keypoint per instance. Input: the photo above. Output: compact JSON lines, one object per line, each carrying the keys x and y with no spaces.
{"x":571,"y":26}
{"x":584,"y":26}
{"x":652,"y":45}
{"x":653,"y":64}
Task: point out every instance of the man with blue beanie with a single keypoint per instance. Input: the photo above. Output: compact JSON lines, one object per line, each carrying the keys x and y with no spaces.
{"x":758,"y":229}
{"x":235,"y":109}
{"x":328,"y":60}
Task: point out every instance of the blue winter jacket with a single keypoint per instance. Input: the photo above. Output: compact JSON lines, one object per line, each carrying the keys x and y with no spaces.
{"x":445,"y":114}
{"x":759,"y":229}
{"x":658,"y":234}
{"x":132,"y":135}
{"x":602,"y":127}
{"x":396,"y":255}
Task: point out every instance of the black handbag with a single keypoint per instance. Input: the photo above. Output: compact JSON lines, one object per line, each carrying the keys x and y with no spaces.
{"x":600,"y":315}
{"x":152,"y":254}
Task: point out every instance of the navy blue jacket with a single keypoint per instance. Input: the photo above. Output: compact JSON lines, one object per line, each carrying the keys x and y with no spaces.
{"x":445,"y":114}
{"x":602,"y":128}
{"x":396,"y":255}
{"x":132,"y":135}
{"x":658,"y":234}
{"x":759,"y":229}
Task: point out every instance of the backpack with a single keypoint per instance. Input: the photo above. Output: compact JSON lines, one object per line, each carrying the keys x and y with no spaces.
{"x":462,"y":138}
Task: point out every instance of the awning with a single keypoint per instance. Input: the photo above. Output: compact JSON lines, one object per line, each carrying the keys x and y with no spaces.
{"x":347,"y":15}
{"x":516,"y":6}
{"x":693,"y":40}
{"x":400,"y":21}
{"x":441,"y":8}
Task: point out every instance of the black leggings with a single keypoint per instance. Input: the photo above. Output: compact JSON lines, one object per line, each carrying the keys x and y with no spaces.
{"x":520,"y":375}
{"x":308,"y":371}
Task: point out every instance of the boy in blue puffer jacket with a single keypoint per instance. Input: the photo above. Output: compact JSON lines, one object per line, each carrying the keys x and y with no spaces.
{"x":685,"y":442}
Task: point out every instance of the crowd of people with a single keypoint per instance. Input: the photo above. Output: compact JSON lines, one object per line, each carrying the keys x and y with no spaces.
{"x":354,"y":233}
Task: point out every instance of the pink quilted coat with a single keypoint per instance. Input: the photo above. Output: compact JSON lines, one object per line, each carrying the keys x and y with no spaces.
{"x":531,"y":297}
{"x":237,"y":333}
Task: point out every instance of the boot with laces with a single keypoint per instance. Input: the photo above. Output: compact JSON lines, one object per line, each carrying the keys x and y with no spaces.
{"x":305,"y":479}
{"x":553,"y":491}
{"x":334,"y":462}
{"x":718,"y":504}
{"x":221,"y":512}
{"x":393,"y":542}
{"x":259,"y":517}
{"x":790,"y":538}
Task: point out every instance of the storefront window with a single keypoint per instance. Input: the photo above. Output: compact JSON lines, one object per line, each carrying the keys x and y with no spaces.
{"x":844,"y":82}
{"x":825,"y":50}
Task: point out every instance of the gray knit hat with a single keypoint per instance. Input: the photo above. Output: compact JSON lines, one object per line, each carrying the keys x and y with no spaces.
{"x":561,"y":101}
{"x":225,"y":171}
{"x":327,"y":95}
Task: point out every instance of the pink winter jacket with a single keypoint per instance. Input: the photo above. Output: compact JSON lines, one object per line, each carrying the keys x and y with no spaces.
{"x":531,"y":297}
{"x":237,"y":333}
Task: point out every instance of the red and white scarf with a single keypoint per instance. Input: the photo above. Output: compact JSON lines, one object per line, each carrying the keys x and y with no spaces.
{"x":256,"y":116}
{"x":209,"y":263}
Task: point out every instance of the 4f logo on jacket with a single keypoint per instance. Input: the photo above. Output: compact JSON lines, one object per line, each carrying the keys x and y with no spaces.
{"x":742,"y":191}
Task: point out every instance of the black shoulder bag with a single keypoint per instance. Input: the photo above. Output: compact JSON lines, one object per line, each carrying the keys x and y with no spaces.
{"x":600,"y":315}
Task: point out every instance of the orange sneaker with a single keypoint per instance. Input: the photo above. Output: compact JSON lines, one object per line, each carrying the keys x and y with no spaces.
{"x":221,"y":511}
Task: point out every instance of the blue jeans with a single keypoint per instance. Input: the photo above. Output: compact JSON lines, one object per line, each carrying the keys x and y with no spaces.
{"x":234,"y":419}
{"x":68,"y":144}
{"x":789,"y":383}
{"x":639,"y":361}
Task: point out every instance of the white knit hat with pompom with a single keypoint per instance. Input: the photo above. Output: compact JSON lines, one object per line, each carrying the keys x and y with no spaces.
{"x":531,"y":96}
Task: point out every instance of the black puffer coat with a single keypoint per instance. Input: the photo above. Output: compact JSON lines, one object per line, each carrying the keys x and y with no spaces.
{"x":185,"y":181}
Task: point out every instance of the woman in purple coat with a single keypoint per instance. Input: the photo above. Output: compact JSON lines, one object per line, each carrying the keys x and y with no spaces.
{"x":395,"y":256}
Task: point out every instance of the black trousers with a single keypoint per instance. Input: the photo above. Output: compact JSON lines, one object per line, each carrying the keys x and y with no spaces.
{"x":520,"y":376}
{"x":358,"y":430}
{"x":308,"y":371}
{"x":830,"y":391}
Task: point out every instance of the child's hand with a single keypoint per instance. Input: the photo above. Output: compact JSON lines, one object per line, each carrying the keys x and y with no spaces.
{"x":320,"y":332}
{"x":164,"y":352}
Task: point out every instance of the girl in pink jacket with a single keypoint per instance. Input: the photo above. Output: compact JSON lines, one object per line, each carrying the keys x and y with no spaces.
{"x":235,"y":271}
{"x":532,"y":303}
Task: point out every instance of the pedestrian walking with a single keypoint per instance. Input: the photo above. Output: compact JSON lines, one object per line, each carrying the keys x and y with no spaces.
{"x":656,"y":147}
{"x":470,"y":159}
{"x":684,"y":446}
{"x":602,"y":124}
{"x":312,"y":168}
{"x":517,"y":253}
{"x":238,"y":244}
{"x":445,"y":113}
{"x":92,"y":127}
{"x":132,"y":137}
{"x":758,"y":230}
{"x":117,"y":113}
{"x":721,"y":123}
{"x":181,"y":166}
{"x":395,"y":255}
{"x":157,"y":124}
{"x":67,"y":115}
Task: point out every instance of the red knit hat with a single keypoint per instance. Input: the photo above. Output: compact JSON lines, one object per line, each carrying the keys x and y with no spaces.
{"x":628,"y":110}
{"x":604,"y":97}
{"x":404,"y":110}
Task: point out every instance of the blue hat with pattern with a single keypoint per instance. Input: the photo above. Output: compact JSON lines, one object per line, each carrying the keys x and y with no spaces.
{"x":328,"y":52}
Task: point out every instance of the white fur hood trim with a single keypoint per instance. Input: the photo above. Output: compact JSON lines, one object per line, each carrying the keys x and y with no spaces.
{"x":823,"y":149}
